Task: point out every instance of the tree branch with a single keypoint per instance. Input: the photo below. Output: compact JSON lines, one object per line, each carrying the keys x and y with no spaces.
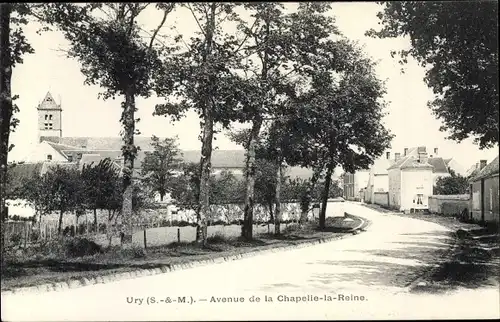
{"x":165,"y":14}
{"x":196,"y":18}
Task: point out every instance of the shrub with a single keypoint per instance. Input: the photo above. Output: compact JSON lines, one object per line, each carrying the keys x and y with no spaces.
{"x":78,"y":247}
{"x":290,"y":228}
{"x":217,"y":222}
{"x":138,"y":252}
{"x":217,"y":238}
{"x":35,"y":235}
{"x":16,"y":238}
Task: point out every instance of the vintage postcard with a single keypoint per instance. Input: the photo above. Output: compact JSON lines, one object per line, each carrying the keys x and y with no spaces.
{"x":249,"y":161}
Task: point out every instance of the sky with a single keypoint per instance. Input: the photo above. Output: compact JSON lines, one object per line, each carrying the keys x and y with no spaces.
{"x":84,"y":114}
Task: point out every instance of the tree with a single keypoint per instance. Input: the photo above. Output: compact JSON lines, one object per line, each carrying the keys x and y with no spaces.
{"x":453,"y":185}
{"x":338,"y":119}
{"x":13,"y":45}
{"x":184,"y":188}
{"x":458,"y":43}
{"x":65,"y":191}
{"x":108,"y":41}
{"x":158,"y":166}
{"x":282,"y":44}
{"x":99,"y":184}
{"x":33,"y":189}
{"x":204,"y":81}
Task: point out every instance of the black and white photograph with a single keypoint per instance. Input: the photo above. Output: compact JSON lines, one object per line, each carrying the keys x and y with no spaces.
{"x":210,"y":161}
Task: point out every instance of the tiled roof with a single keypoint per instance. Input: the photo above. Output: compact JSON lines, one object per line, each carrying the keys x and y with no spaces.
{"x":489,"y":170}
{"x":17,"y":172}
{"x":98,"y":148}
{"x":438,"y":164}
{"x":220,"y":158}
{"x":413,"y":162}
{"x":47,"y":166}
{"x":61,"y":148}
{"x":105,"y":143}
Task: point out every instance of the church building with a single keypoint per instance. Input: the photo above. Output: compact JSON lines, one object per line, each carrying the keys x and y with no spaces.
{"x":53,"y":147}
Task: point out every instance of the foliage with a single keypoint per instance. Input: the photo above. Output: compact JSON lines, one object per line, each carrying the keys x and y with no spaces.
{"x":204,"y":80}
{"x":226,"y":188}
{"x":457,"y":42}
{"x":117,"y":58}
{"x":453,"y":185}
{"x":100,"y":182}
{"x":158,"y":166}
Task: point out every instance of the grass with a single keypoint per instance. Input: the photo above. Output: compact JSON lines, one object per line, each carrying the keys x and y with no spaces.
{"x":52,"y":263}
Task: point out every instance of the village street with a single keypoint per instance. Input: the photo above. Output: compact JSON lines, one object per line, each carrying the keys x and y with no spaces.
{"x":372,"y":269}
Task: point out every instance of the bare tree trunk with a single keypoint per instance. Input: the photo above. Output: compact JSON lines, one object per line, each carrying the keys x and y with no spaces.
{"x":247,"y":228}
{"x":129,"y":152}
{"x":308,"y":197}
{"x":271,"y":212}
{"x":61,"y":212}
{"x":203,"y":208}
{"x":96,"y":226}
{"x":6,"y":111}
{"x":279,"y":174}
{"x":328,"y":180}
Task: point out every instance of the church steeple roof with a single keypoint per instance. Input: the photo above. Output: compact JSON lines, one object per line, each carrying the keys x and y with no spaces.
{"x":48,"y":103}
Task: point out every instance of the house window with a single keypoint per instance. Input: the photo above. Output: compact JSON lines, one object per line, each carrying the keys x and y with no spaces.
{"x":50,"y":126}
{"x":49,"y":157}
{"x":46,"y":126}
{"x":50,"y":117}
{"x":418,"y":199}
{"x":70,"y":158}
{"x":46,"y":116}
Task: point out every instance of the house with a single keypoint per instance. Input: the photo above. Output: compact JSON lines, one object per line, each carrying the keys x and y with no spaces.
{"x":378,"y":180}
{"x":354,"y":184}
{"x":484,"y":189}
{"x":410,"y":181}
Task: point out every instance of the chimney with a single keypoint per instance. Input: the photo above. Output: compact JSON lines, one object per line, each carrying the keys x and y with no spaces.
{"x":388,"y":155}
{"x":397,"y":156}
{"x":406,"y":151}
{"x":435,"y":151}
{"x":422,"y":157}
{"x":482,"y":164}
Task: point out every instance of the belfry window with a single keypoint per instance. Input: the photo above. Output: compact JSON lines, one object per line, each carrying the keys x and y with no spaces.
{"x":49,"y":157}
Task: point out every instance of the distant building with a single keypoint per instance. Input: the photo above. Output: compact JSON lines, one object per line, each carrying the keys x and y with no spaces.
{"x":378,"y":180}
{"x":52,"y":146}
{"x":484,"y":189}
{"x":411,"y":181}
{"x":355,"y":184}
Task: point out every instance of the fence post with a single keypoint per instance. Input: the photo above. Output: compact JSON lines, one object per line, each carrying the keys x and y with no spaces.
{"x":145,"y":241}
{"x":178,"y":235}
{"x":25,"y":234}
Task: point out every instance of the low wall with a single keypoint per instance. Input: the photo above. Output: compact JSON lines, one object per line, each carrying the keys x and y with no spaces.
{"x":449,"y":205}
{"x":381,"y":198}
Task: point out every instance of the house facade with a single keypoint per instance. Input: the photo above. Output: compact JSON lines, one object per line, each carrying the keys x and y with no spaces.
{"x":411,"y":181}
{"x":484,"y":190}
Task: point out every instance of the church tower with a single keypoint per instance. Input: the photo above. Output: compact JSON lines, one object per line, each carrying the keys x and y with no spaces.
{"x":49,"y":118}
